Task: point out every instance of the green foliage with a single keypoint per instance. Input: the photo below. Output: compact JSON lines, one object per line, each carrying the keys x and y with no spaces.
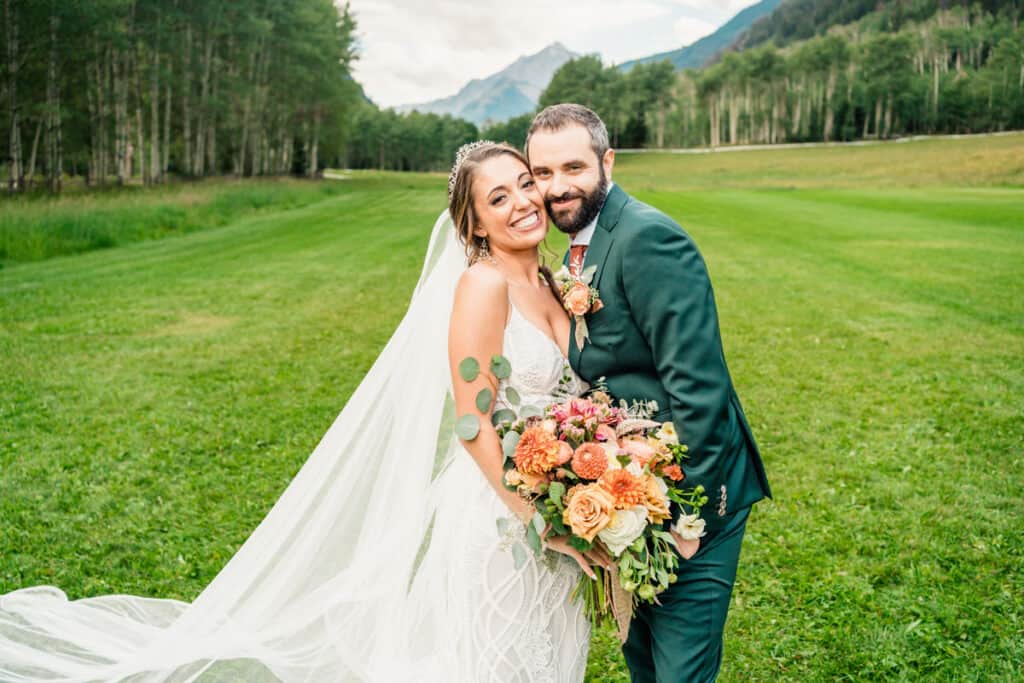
{"x":467,"y":427}
{"x":893,"y":74}
{"x":469,"y":369}
{"x":41,"y":228}
{"x":512,"y":131}
{"x":388,"y":140}
{"x":500,"y":366}
{"x":144,"y":89}
{"x":483,"y":400}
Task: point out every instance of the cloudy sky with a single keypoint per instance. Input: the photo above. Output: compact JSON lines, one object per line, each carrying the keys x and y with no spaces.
{"x":414,"y":51}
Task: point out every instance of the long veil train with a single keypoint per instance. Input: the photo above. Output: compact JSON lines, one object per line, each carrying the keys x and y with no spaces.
{"x":324,"y":588}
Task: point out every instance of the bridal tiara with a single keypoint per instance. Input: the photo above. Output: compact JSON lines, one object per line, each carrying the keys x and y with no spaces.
{"x":460,"y":156}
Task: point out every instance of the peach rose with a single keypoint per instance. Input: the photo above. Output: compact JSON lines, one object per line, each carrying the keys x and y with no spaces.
{"x":564,"y":453}
{"x":640,"y":451}
{"x":577,"y":301}
{"x":537,"y":451}
{"x":656,"y":499}
{"x":588,"y":510}
{"x":531,"y":481}
{"x":589,"y":461}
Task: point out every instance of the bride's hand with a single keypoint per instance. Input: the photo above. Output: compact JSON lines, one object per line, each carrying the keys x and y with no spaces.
{"x":561,"y":544}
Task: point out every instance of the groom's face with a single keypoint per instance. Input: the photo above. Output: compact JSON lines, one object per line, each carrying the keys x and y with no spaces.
{"x":570,"y":176}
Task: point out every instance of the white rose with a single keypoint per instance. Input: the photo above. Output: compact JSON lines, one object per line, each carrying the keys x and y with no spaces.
{"x":689,"y":527}
{"x":626,"y":526}
{"x":667,"y":433}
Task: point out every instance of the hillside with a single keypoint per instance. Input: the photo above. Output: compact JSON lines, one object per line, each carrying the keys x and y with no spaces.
{"x":704,"y":50}
{"x":797,"y":20}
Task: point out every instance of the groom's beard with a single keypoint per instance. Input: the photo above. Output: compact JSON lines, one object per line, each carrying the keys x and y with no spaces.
{"x":571,"y":222}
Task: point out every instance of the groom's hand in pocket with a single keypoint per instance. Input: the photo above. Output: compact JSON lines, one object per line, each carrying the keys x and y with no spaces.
{"x":686,"y":548}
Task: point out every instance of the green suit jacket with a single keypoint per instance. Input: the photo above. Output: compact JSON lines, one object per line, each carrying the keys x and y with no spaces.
{"x":657,"y":338}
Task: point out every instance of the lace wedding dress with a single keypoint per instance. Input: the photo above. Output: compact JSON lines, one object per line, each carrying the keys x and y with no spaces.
{"x":511,"y":625}
{"x":381,"y":561}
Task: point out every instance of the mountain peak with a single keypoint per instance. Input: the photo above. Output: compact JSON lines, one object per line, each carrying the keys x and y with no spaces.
{"x":510,"y":92}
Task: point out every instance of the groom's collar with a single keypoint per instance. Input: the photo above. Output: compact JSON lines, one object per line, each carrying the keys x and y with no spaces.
{"x":612,"y":209}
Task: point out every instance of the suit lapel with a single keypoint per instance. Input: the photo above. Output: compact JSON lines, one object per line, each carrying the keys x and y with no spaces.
{"x":597,"y":254}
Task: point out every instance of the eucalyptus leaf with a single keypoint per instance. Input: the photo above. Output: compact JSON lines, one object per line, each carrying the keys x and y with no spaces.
{"x":503,"y":525}
{"x":469,"y":369}
{"x":500,"y":366}
{"x":533,"y":539}
{"x":512,"y":396}
{"x":483,"y":400}
{"x":518,"y":555}
{"x":538,"y":523}
{"x":530,"y":411}
{"x":509,"y":443}
{"x":503,"y":415}
{"x":467,"y":427}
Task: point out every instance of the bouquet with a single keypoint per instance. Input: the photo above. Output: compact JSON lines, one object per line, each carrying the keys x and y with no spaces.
{"x":605,"y":477}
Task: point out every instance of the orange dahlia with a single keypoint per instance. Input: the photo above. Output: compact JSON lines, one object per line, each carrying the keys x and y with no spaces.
{"x":537,"y":451}
{"x":626,"y":489}
{"x":589,"y":461}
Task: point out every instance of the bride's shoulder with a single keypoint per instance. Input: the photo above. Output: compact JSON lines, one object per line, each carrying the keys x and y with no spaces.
{"x":482,"y":281}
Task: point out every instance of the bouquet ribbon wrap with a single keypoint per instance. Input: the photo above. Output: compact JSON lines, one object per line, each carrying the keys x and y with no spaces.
{"x":621,"y":602}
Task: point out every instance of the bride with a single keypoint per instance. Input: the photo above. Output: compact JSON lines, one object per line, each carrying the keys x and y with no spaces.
{"x":382,"y":560}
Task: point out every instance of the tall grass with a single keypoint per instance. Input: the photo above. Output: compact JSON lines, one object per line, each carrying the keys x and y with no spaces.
{"x":34,"y":229}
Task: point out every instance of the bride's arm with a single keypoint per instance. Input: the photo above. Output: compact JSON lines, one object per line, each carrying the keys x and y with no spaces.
{"x":477,"y":329}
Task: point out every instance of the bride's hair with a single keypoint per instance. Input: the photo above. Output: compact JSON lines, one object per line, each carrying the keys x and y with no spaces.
{"x":460,"y":197}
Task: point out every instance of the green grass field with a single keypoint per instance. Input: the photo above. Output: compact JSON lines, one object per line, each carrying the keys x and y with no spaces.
{"x":156,"y":397}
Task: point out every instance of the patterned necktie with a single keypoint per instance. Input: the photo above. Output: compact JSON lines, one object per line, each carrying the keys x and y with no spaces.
{"x":576,"y":254}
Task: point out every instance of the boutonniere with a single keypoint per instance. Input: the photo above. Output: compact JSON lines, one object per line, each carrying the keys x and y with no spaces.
{"x":579,"y":298}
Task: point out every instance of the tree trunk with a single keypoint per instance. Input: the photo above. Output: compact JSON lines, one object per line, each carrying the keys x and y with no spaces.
{"x":54,"y":141}
{"x":15,"y":177}
{"x":154,"y":108}
{"x":32,"y":155}
{"x":211,"y":131}
{"x":140,"y":133}
{"x":314,"y":154}
{"x":204,"y":103}
{"x":166,"y":155}
{"x":186,"y":114}
{"x":120,"y":117}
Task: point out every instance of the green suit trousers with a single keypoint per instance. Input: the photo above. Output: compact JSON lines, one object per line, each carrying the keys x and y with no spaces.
{"x":680,"y":641}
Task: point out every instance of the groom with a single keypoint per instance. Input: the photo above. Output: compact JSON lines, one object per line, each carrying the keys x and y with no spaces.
{"x":656,"y":338}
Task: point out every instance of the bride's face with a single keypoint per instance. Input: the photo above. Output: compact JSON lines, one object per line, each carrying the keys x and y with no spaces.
{"x":507,"y":205}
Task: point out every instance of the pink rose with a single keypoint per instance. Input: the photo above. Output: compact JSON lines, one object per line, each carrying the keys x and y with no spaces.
{"x":640,"y":451}
{"x":605,"y":433}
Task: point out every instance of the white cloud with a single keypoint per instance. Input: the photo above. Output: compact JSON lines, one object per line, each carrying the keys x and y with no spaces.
{"x":412,"y":51}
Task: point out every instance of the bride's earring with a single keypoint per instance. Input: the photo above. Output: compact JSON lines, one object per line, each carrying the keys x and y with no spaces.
{"x":484,"y":254}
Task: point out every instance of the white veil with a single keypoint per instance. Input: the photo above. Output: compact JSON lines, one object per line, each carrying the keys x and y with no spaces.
{"x":322,"y":589}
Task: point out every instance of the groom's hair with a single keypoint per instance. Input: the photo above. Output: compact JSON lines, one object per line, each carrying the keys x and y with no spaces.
{"x":559,"y":116}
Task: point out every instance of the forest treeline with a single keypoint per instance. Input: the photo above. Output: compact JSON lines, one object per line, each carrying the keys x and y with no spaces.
{"x":903,"y":67}
{"x":123,"y":91}
{"x":115,"y":90}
